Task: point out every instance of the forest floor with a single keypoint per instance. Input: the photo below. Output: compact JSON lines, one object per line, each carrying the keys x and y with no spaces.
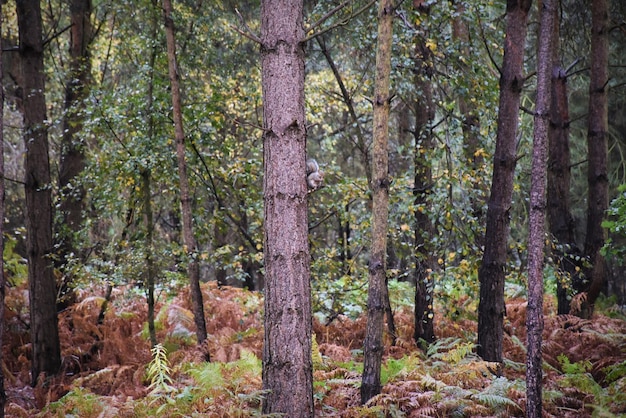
{"x":108,"y":369}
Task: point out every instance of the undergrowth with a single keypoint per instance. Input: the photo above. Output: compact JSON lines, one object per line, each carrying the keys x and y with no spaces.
{"x":110,"y":370}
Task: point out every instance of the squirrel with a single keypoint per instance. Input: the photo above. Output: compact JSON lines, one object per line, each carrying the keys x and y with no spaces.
{"x":314,"y":177}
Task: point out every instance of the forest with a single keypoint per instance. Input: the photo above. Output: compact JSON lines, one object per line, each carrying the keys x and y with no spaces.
{"x":341,"y":208}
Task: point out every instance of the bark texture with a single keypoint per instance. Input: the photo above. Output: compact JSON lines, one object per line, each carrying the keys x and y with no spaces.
{"x":72,"y":161}
{"x":597,"y":151}
{"x":3,"y":396}
{"x":185,"y":196}
{"x":46,"y":356}
{"x":560,"y":219}
{"x":424,"y":110}
{"x":377,"y":290}
{"x":470,"y":123}
{"x":491,"y":308}
{"x":536,"y":233}
{"x":287,"y":365}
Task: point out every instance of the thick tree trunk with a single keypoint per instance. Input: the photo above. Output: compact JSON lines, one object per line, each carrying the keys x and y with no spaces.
{"x":287,"y":365}
{"x":491,"y":309}
{"x":46,"y":357}
{"x":72,"y":160}
{"x":373,"y":346}
{"x":185,"y":199}
{"x":597,"y":149}
{"x":537,"y":230}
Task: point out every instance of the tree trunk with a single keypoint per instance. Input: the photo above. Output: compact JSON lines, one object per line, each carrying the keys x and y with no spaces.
{"x":597,"y":149}
{"x":287,"y":365}
{"x":149,"y":272}
{"x":424,"y":110}
{"x":185,"y":198}
{"x":146,"y":180}
{"x":470,"y":123}
{"x":373,"y":346}
{"x":560,"y":218}
{"x":537,"y":230}
{"x":72,"y":160}
{"x":491,"y":308}
{"x":3,"y":395}
{"x":46,"y":357}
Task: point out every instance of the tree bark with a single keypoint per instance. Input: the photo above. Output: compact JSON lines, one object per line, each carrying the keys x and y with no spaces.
{"x":597,"y":150}
{"x":536,"y":233}
{"x":491,"y":274}
{"x":46,"y":358}
{"x":373,"y":346}
{"x":560,"y":219}
{"x":146,"y":186}
{"x":185,"y":198}
{"x":424,"y":110}
{"x":470,"y":122}
{"x":287,"y":365}
{"x":3,"y":395}
{"x":72,"y":160}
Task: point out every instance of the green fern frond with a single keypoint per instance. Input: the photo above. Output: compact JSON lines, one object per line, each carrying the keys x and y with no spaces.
{"x":316,"y":356}
{"x":601,"y":411}
{"x":207,"y":375}
{"x":494,"y":401}
{"x":573,"y":368}
{"x":247,"y":365}
{"x":158,"y":372}
{"x":517,"y":366}
{"x":394,"y":367}
{"x":549,"y":396}
{"x":615,"y":371}
{"x":439,"y":347}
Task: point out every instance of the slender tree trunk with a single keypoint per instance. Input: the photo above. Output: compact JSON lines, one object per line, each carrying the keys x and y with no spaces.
{"x":146,"y":180}
{"x":597,"y":149}
{"x":373,"y":346}
{"x":46,"y":357}
{"x":491,"y":308}
{"x":424,"y":110}
{"x":470,"y":123}
{"x":185,"y":198}
{"x":287,"y":365}
{"x":537,"y":230}
{"x":3,"y":395}
{"x":149,"y":272}
{"x":72,"y":160}
{"x":560,"y":218}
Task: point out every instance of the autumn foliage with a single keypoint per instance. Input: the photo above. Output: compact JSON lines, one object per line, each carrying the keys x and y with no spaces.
{"x":105,"y":366}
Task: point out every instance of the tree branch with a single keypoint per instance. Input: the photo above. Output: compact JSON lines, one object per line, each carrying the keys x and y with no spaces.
{"x":246,"y":32}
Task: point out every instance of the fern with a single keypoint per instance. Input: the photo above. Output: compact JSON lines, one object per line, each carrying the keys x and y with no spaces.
{"x":493,"y":401}
{"x":393,"y":367}
{"x":316,"y":356}
{"x":78,"y":402}
{"x":615,"y":371}
{"x":207,"y":375}
{"x":158,"y":372}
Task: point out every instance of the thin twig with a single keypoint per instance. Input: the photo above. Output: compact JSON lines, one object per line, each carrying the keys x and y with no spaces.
{"x":327,"y":16}
{"x":343,"y":22}
{"x":247,"y":32}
